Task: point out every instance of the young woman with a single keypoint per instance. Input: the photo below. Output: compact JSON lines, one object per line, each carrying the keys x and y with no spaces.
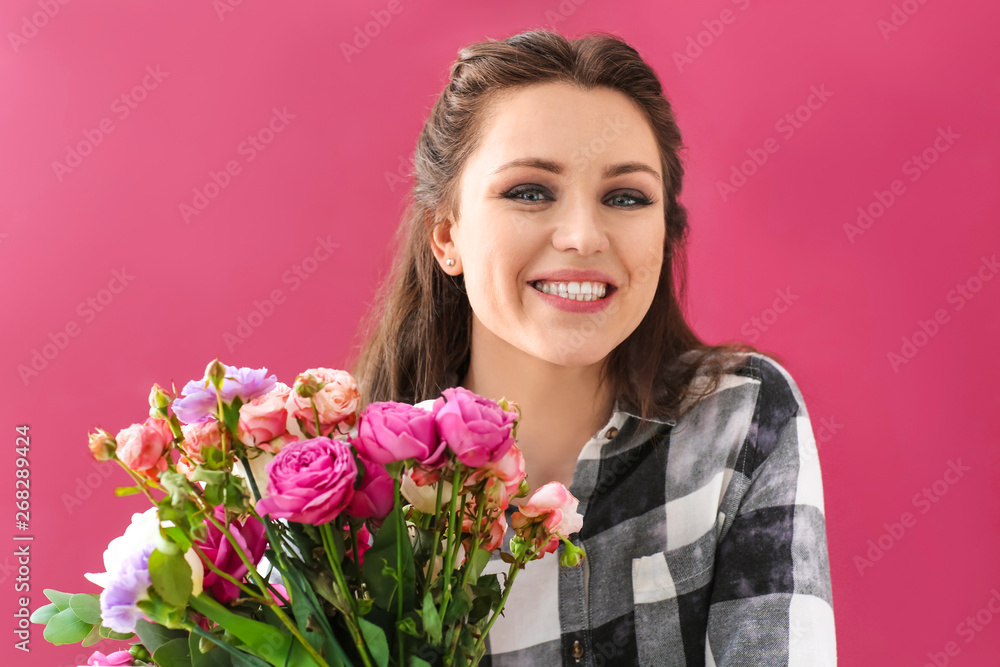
{"x":543,"y":261}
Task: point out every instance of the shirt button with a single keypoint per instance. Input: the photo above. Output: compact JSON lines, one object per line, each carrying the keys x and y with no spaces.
{"x":610,"y":433}
{"x":577,"y":650}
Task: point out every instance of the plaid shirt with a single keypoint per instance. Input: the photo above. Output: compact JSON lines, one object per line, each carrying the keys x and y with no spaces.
{"x":705,"y":539}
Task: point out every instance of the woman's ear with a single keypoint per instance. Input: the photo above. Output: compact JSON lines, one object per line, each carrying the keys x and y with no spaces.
{"x":444,"y":248}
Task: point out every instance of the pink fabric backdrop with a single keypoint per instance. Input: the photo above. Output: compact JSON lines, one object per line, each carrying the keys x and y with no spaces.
{"x":223,"y":179}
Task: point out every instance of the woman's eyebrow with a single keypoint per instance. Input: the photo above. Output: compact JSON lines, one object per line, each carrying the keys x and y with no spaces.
{"x":610,"y":171}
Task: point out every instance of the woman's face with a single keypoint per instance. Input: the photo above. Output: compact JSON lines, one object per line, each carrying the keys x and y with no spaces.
{"x":563,"y":196}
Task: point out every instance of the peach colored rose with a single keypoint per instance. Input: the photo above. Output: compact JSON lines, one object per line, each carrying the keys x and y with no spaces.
{"x":336,"y":401}
{"x":197,"y":437}
{"x":264,"y":418}
{"x":508,"y":471}
{"x":550,"y":512}
{"x":492,"y":529}
{"x":142,"y":447}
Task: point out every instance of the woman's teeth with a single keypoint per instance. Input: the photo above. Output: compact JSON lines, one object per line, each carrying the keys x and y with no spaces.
{"x":577,"y":291}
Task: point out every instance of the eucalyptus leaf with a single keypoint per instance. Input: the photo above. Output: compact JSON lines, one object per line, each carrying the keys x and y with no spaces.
{"x":93,"y":636}
{"x":59,"y":599}
{"x":87,"y":607}
{"x":66,"y":628}
{"x":44,"y":613}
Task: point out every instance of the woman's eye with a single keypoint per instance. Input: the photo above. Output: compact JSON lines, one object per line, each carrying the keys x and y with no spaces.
{"x":531,"y":190}
{"x":636,"y":199}
{"x":537,"y":193}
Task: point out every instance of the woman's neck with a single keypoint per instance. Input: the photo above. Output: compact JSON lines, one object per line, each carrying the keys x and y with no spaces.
{"x":562,"y":407}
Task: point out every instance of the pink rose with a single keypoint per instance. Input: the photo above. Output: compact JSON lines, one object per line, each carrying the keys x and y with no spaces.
{"x":475,"y":428}
{"x":552,"y":507}
{"x":141,"y":447}
{"x":336,"y":397}
{"x":389,"y":431}
{"x":264,"y":418}
{"x":116,"y":659}
{"x":310,"y":481}
{"x":252,"y":538}
{"x":197,"y":437}
{"x":373,"y":499}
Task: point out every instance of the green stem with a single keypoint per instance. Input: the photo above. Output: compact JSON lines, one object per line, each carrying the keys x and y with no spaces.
{"x":511,"y":574}
{"x":454,"y":532}
{"x":252,"y":571}
{"x":400,"y":535}
{"x":437,"y":531}
{"x":352,"y":621}
{"x":228,"y":577}
{"x":476,"y":536}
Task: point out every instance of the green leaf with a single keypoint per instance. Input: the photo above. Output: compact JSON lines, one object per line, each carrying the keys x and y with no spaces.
{"x":60,"y":600}
{"x":231,"y":413}
{"x":44,"y":613}
{"x":237,"y":658}
{"x":65,"y":628}
{"x":93,"y":636}
{"x":414,"y":661}
{"x":478,"y":562}
{"x":108,"y":633}
{"x":261,"y":639}
{"x":408,"y":625}
{"x":214,"y":657}
{"x":171,"y":577}
{"x":127,"y":490}
{"x":174,"y":653}
{"x":383,"y":554}
{"x":432,"y":620}
{"x":87,"y":607}
{"x":378,"y":645}
{"x":154,"y":635}
{"x":459,"y":607}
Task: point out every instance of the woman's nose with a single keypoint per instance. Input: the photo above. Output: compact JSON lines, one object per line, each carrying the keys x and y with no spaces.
{"x":581,"y":228}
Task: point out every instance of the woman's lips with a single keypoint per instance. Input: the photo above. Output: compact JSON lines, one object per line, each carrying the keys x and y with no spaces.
{"x":574,"y":306}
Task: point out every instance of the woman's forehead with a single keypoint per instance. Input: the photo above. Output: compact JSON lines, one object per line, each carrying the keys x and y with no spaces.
{"x":567,"y":125}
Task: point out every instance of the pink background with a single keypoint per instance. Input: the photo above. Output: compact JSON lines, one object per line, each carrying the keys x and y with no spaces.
{"x":333,"y":171}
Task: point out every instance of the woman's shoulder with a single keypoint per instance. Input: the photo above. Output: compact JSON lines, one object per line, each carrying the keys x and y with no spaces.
{"x":741,"y":378}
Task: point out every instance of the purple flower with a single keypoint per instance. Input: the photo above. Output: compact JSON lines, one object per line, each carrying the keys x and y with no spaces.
{"x":119,"y":601}
{"x":198,"y":399}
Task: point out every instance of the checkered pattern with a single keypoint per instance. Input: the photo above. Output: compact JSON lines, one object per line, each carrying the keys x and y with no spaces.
{"x":705,"y":538}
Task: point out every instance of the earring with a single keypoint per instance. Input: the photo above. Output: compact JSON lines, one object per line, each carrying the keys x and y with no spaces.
{"x":449,"y":261}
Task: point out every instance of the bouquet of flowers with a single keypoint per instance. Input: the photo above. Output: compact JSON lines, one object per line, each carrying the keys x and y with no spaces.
{"x":289,"y":529}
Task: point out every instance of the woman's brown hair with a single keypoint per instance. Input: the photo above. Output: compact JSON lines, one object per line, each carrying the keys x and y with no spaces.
{"x":418,"y":334}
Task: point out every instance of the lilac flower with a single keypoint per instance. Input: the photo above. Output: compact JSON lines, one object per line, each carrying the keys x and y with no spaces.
{"x":119,"y":601}
{"x":198,"y":400}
